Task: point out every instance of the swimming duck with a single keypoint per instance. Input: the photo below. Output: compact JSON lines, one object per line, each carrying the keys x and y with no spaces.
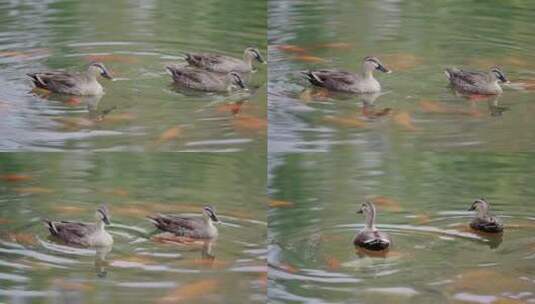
{"x":193,"y":227}
{"x":370,"y":238}
{"x":225,"y":64}
{"x":72,"y":83}
{"x":83,"y":234}
{"x":476,"y":82}
{"x":204,"y":80}
{"x":483,"y":221}
{"x":338,"y":80}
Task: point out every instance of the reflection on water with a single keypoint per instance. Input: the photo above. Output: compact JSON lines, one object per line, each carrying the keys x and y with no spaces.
{"x":418,"y":109}
{"x":422,"y":201}
{"x":142,"y":265}
{"x":135,"y":41}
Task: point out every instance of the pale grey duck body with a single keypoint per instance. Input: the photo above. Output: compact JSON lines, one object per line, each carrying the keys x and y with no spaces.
{"x":225,"y":64}
{"x":474,"y":82}
{"x":206,"y":81}
{"x":192,"y":227}
{"x":483,"y":220}
{"x":370,"y":237}
{"x":84,"y":83}
{"x":344,"y":81}
{"x":83,"y":234}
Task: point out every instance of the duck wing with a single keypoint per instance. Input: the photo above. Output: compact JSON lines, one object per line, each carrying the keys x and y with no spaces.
{"x":184,"y":75}
{"x":204,"y":59}
{"x":490,"y":224}
{"x":70,"y":232}
{"x":469,"y":77}
{"x":334,"y":75}
{"x":175,"y":224}
{"x":56,"y":81}
{"x":373,"y":240}
{"x":194,"y":78}
{"x":209,"y":59}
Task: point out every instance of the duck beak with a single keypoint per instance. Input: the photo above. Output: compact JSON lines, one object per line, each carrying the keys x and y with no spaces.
{"x":215,"y":219}
{"x":383,"y":69}
{"x":359,"y":211}
{"x":241,"y":84}
{"x":106,"y":220}
{"x":472,"y":208}
{"x":106,"y":74}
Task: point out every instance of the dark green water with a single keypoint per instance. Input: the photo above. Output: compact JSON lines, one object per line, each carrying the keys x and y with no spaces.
{"x":139,"y":269}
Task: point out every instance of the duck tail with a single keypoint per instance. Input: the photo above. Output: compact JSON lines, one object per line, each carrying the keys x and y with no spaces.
{"x":51,"y":227}
{"x":449,"y":72}
{"x":155,"y":219}
{"x":312,"y":78}
{"x":36,"y":80}
{"x":191,"y":59}
{"x":170,"y":70}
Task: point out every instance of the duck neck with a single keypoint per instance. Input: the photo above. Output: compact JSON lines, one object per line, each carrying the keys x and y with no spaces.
{"x":207,"y":220}
{"x":248,"y":59}
{"x":483,"y":211}
{"x":370,"y":220}
{"x":367,"y":74}
{"x":100,"y":226}
{"x":92,"y":73}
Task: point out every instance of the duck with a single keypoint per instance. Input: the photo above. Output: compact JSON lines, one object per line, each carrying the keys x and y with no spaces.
{"x":72,"y":83}
{"x":370,"y":237}
{"x":225,"y":64}
{"x":483,"y":220}
{"x":475,"y":82}
{"x":193,"y":227}
{"x":83,"y":234}
{"x":349,"y":82}
{"x":206,"y":81}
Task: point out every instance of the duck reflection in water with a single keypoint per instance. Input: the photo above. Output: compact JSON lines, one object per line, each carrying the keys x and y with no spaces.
{"x":369,"y":109}
{"x":492,"y":100}
{"x":92,"y":103}
{"x":494,"y":108}
{"x":100,"y":261}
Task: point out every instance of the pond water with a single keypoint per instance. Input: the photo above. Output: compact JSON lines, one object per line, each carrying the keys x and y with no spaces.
{"x":141,"y":110}
{"x":422,"y":202}
{"x":143,"y":266}
{"x":416,"y":40}
{"x":420,"y":151}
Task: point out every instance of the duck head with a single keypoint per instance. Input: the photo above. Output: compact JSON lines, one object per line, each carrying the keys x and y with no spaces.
{"x":209,"y":214}
{"x":497,"y":74}
{"x":97,"y":68}
{"x":368,"y":209}
{"x":372,"y":63}
{"x":235,"y":80}
{"x":251,"y":54}
{"x":481,"y":206}
{"x":103,"y":215}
